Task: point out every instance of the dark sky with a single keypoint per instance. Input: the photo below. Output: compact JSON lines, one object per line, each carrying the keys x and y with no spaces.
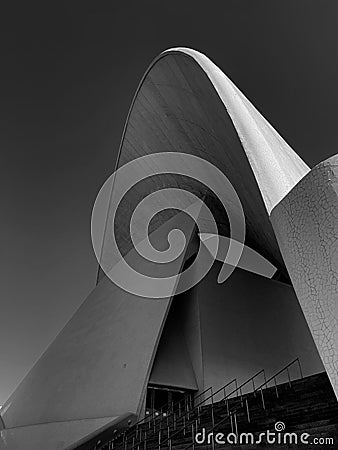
{"x":68,"y":74}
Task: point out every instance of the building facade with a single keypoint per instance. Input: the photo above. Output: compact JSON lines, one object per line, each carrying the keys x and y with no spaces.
{"x":122,"y":353}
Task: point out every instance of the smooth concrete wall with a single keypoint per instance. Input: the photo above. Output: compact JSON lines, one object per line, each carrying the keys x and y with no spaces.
{"x":100,"y":363}
{"x":306,"y":226}
{"x":172,"y":365}
{"x":97,"y":366}
{"x":49,"y":436}
{"x":233,"y":330}
{"x":251,"y":323}
{"x":187,"y":309}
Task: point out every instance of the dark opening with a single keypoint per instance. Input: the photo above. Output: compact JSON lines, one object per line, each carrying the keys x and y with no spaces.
{"x":163,"y":398}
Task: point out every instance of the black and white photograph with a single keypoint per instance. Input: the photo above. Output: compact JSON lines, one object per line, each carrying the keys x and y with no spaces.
{"x":169,"y":224}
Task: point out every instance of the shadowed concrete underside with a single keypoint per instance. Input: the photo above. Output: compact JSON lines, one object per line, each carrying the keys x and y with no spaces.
{"x":186,"y":104}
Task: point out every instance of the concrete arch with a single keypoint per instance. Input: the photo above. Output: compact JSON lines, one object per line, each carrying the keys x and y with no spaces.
{"x":98,"y":367}
{"x":186,"y":103}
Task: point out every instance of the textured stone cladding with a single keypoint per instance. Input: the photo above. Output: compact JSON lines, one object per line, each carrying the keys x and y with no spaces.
{"x":306,"y":227}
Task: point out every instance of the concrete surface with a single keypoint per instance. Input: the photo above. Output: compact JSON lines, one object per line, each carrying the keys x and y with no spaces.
{"x":306,"y":226}
{"x":184,"y":103}
{"x":99,"y":365}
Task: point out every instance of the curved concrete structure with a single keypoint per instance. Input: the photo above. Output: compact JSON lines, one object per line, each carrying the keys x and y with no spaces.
{"x":306,"y":226}
{"x":99,"y":366}
{"x":95,"y":371}
{"x":186,"y":104}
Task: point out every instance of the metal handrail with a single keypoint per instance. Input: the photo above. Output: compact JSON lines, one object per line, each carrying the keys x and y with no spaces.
{"x":195,"y":407}
{"x":168,"y":408}
{"x":259,"y":388}
{"x":218,"y":390}
{"x":238,"y":388}
{"x":266,"y":382}
{"x":230,"y":413}
{"x":153,"y":415}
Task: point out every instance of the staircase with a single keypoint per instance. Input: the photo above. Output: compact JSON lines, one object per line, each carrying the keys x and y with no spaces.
{"x":307,"y":405}
{"x":303,"y":405}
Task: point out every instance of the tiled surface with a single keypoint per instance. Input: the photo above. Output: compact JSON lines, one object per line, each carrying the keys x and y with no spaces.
{"x":306,"y":226}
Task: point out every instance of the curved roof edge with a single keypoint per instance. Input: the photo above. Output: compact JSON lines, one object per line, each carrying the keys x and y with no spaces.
{"x":276,"y":166}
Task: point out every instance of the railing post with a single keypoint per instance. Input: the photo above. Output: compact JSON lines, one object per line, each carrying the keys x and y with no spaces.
{"x":287,"y":369}
{"x":300,"y":368}
{"x":192,"y":435}
{"x":212,"y":411}
{"x":262,"y":399}
{"x":236,"y":429}
{"x":247,"y":409}
{"x":274,"y":378}
{"x":169,"y":438}
{"x":139,"y":439}
{"x":160,"y":418}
